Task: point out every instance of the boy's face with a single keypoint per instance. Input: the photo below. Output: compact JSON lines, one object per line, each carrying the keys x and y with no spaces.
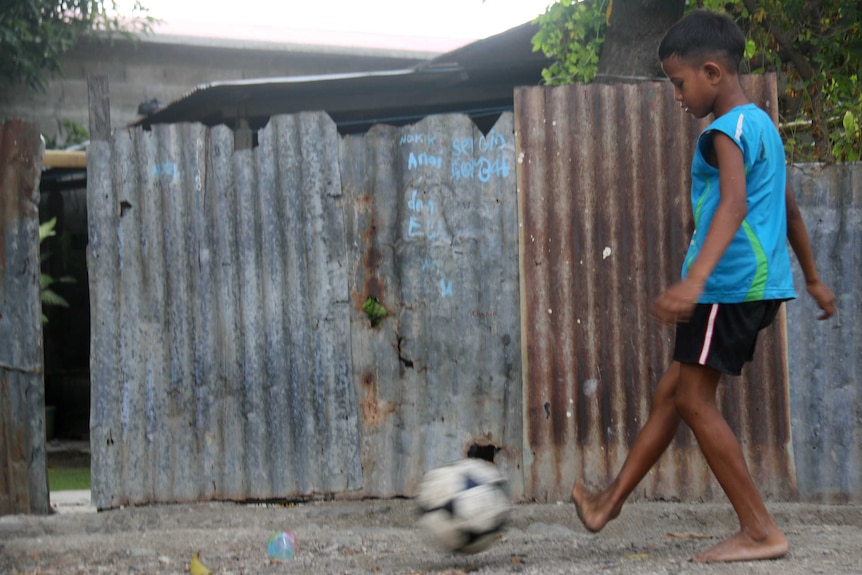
{"x":694,"y":86}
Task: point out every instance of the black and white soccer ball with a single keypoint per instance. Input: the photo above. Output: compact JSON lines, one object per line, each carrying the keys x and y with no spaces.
{"x":464,"y":505}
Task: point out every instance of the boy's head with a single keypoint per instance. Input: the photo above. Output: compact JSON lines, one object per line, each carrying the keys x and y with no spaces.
{"x":702,"y":35}
{"x":700,"y":55}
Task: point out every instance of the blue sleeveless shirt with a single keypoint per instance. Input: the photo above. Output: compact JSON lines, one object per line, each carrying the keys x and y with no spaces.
{"x":756,"y":265}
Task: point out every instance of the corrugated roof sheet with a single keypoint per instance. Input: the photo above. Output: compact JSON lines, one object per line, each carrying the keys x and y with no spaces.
{"x":477,"y":79}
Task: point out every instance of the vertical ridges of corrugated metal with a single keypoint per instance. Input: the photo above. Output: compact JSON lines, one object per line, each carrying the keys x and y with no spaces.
{"x":220,"y":300}
{"x":432,"y":220}
{"x":603,"y":186}
{"x":826,"y":401}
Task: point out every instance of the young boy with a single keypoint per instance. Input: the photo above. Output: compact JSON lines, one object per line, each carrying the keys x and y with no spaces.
{"x":735,"y":276}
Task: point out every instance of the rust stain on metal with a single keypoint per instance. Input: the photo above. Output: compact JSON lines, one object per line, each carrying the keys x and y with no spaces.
{"x":373,"y":282}
{"x":603,"y":179}
{"x":374,"y":411}
{"x":372,"y":257}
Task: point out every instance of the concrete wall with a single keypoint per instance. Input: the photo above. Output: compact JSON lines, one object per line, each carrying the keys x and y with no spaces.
{"x":168,"y":68}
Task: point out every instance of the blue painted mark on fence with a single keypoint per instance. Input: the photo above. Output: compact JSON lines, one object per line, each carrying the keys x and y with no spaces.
{"x":482,"y":169}
{"x":469,"y":160}
{"x":418,"y":139}
{"x":490,"y":142}
{"x":422,"y":221}
{"x":417,"y":160}
{"x":164,"y":169}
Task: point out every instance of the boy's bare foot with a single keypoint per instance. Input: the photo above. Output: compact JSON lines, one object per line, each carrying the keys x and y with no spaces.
{"x":742,"y":547}
{"x":594,"y":511}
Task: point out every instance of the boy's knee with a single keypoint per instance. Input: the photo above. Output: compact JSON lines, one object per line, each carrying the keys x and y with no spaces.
{"x":664,"y":402}
{"x":687,"y":404}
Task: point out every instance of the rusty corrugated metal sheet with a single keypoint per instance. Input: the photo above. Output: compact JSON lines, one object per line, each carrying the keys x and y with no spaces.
{"x":220,"y":356}
{"x":826,"y":357}
{"x":231,"y":358}
{"x":431,"y":213}
{"x":23,"y":470}
{"x":603,"y":187}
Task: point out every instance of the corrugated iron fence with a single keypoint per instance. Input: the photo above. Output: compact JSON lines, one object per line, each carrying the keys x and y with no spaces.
{"x":23,"y":471}
{"x":220,"y":355}
{"x":431,"y":216}
{"x":826,"y":357}
{"x":231,"y":355}
{"x":603,"y":181}
{"x":333,"y":316}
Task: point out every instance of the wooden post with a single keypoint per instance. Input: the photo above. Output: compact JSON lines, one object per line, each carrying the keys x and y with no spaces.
{"x":23,"y":465}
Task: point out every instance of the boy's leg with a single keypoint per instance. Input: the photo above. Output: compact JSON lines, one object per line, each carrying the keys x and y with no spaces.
{"x":759,"y":536}
{"x":595,"y":510}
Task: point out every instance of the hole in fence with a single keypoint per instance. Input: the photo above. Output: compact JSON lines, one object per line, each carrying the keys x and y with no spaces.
{"x":486,"y":452}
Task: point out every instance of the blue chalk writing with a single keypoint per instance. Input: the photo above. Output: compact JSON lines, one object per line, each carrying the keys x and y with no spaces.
{"x":422,"y":222}
{"x":164,"y":169}
{"x":423,"y":159}
{"x":416,"y":204}
{"x":417,"y":139}
{"x":487,"y":143}
{"x":414,"y":228}
{"x":482,"y":169}
{"x":445,"y":288}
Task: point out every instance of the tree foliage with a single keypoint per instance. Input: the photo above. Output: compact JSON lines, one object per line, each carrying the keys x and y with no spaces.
{"x":34,"y":34}
{"x":571,"y":34}
{"x":815,"y":46}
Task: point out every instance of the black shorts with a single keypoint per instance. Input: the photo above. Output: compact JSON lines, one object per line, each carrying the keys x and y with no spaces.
{"x":723,"y":335}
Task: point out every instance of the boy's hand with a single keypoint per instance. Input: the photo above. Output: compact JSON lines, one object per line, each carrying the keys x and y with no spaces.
{"x":823,"y":296}
{"x":677,"y":302}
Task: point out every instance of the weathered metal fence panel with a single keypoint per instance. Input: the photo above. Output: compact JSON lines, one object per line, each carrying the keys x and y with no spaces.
{"x":431,"y":214}
{"x":826,"y":357}
{"x":234,"y":355}
{"x":220,"y":350}
{"x":603,"y":190}
{"x":23,"y":468}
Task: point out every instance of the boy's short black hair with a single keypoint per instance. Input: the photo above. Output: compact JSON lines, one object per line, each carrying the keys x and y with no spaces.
{"x":702,"y":34}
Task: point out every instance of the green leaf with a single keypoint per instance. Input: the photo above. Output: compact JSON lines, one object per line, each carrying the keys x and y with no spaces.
{"x":46,"y":230}
{"x":374,"y":310}
{"x":850,"y":124}
{"x":52,"y":298}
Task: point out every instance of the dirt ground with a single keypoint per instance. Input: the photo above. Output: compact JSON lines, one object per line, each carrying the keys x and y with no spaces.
{"x":382,"y":536}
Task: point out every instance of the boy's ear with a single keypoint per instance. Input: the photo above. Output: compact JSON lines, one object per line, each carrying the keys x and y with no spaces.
{"x":712,"y":70}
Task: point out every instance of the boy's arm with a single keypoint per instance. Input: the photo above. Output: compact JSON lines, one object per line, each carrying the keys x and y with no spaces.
{"x":678,"y":301}
{"x":797,"y":235}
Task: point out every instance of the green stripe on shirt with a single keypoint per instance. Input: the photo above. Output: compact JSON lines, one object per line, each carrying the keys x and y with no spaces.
{"x":758,"y":284}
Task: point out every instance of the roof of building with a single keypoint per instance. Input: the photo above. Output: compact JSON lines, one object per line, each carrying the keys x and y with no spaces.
{"x":282,"y":39}
{"x":476,"y":79}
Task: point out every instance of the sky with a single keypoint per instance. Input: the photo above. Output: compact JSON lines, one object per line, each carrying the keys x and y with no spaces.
{"x":465,"y":19}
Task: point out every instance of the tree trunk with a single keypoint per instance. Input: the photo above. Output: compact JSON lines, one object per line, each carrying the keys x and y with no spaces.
{"x":630,"y":51}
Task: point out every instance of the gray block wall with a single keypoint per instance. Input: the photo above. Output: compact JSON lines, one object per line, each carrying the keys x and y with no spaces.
{"x":158,"y":69}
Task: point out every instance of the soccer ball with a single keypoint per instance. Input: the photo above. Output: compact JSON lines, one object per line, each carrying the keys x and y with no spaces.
{"x":464,"y":505}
